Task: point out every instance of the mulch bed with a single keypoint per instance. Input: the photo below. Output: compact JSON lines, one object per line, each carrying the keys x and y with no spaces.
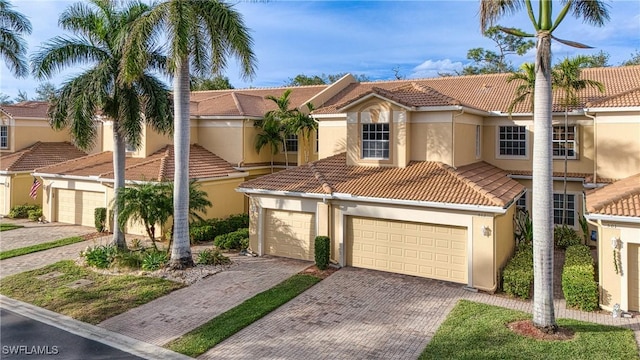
{"x":322,"y":274}
{"x":95,"y":235}
{"x":526,"y":328}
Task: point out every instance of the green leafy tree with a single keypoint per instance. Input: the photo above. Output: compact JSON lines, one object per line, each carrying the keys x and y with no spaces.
{"x":199,"y":35}
{"x":99,"y":28}
{"x":324,"y":79}
{"x":22,"y":96}
{"x":270,"y":135}
{"x":215,"y":83}
{"x":282,"y":115}
{"x":634,"y":60}
{"x":303,"y":124}
{"x":601,"y":59}
{"x":527,"y":78}
{"x":45,"y":91}
{"x":491,"y":62}
{"x":13,"y":48}
{"x":593,"y":12}
{"x":5,"y":99}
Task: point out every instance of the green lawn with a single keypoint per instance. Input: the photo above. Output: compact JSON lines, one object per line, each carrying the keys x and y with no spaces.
{"x":107,"y":296}
{"x":7,"y":227}
{"x":478,"y":331}
{"x":221,"y":327}
{"x":39,"y":247}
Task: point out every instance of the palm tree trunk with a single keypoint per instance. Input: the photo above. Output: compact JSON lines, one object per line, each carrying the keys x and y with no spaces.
{"x":119,"y":150}
{"x":542,"y":205}
{"x":564,"y":180}
{"x":181,"y":247}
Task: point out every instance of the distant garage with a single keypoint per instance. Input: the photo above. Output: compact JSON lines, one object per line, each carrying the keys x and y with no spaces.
{"x":290,"y":234}
{"x":77,"y":206}
{"x":418,"y":249}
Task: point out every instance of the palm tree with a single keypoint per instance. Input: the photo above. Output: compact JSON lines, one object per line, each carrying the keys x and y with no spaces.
{"x":303,"y":124}
{"x":524,"y":91}
{"x":566,"y":78}
{"x":593,"y":12}
{"x":282,"y":115}
{"x":13,"y":25}
{"x":271,"y":135}
{"x":99,"y":28}
{"x":201,"y":34}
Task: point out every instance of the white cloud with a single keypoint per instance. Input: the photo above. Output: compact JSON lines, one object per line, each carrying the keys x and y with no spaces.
{"x":432,"y":68}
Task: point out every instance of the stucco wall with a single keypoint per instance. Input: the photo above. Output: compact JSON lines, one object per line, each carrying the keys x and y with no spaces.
{"x":23,"y":133}
{"x":618,"y":140}
{"x":332,"y":137}
{"x":223,"y":138}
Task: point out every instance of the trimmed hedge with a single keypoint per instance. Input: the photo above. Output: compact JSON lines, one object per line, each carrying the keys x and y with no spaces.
{"x":22,"y":211}
{"x":99,"y":218}
{"x":565,"y":236}
{"x":578,"y":279}
{"x":322,"y":248}
{"x":238,"y":240}
{"x":207,"y":230}
{"x":517,"y":277}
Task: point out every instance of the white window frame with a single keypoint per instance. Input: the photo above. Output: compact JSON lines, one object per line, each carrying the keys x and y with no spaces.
{"x":499,"y":142}
{"x":571,"y":212}
{"x":367,"y":153}
{"x":521,"y":203}
{"x":289,"y":142}
{"x":573,"y":144}
{"x":4,"y":136}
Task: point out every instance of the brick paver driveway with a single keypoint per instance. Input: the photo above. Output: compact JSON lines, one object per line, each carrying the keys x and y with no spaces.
{"x":353,"y":314}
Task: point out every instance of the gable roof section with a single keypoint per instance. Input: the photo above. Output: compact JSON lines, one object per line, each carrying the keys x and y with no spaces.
{"x":492,"y":92}
{"x":624,"y":99}
{"x":428,"y":181}
{"x":27,"y":109}
{"x":622,"y":198}
{"x":159,"y":166}
{"x":38,"y":155}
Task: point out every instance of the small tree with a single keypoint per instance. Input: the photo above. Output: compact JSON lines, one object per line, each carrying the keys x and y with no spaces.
{"x":303,"y":124}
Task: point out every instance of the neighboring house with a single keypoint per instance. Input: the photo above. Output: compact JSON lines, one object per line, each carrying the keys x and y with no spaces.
{"x":380,"y":192}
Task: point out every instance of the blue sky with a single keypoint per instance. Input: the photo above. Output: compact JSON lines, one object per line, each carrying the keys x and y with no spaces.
{"x":420,"y":38}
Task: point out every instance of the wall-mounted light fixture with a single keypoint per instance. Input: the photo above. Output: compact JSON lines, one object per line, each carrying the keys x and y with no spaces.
{"x":486,"y":231}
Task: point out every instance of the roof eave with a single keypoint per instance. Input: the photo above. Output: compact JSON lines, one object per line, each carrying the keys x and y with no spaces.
{"x":613,"y":218}
{"x":611,"y":109}
{"x":374,"y":95}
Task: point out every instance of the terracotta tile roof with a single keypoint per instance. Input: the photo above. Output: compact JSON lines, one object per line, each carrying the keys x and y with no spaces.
{"x":624,"y":99}
{"x":622,"y":198}
{"x":38,"y":155}
{"x":247,"y":102}
{"x":492,"y":92}
{"x":411,"y":95}
{"x":587,"y":177}
{"x":31,"y":109}
{"x":475,"y":184}
{"x":159,"y":166}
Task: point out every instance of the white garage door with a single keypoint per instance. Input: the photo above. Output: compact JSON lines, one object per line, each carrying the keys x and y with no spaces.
{"x":426,"y":250}
{"x":634,"y":277}
{"x":77,"y":207}
{"x":290,"y":234}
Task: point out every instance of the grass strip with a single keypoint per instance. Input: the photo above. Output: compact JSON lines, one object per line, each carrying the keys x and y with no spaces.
{"x":39,"y":247}
{"x":479,"y":331}
{"x":205,"y":337}
{"x":7,"y":227}
{"x":106,"y":296}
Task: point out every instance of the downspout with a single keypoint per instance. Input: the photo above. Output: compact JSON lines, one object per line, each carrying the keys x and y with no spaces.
{"x":595,"y":146}
{"x":453,"y":137}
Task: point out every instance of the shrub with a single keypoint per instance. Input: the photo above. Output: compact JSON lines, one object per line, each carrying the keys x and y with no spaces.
{"x":578,"y":279}
{"x":238,"y":240}
{"x":22,"y":211}
{"x":565,"y":236}
{"x":100,"y":256}
{"x":99,"y":218}
{"x":129,"y":259}
{"x":322,"y":248}
{"x":154,"y":260}
{"x":35,"y":215}
{"x":201,"y":233}
{"x":523,"y":228}
{"x":212,"y":257}
{"x":517,"y":277}
{"x":207,"y":230}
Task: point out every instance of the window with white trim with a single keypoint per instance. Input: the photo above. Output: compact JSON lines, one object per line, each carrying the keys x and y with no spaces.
{"x":375,"y":141}
{"x":564,"y":142}
{"x":512,"y":141}
{"x":521,"y":203}
{"x":558,"y":209}
{"x":291,"y":142}
{"x":4,"y":136}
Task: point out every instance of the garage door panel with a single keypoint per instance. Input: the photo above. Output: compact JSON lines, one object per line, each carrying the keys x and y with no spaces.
{"x":78,"y":207}
{"x":426,"y":250}
{"x":289,"y":234}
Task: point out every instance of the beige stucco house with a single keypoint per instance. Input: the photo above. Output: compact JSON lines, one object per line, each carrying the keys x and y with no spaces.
{"x":381,"y":189}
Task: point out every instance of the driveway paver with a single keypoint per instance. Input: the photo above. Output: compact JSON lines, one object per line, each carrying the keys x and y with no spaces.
{"x":35,"y":233}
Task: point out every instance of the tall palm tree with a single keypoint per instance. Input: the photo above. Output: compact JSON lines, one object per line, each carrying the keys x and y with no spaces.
{"x":527,"y":78}
{"x":13,"y":49}
{"x":199,"y":34}
{"x":566,"y":78}
{"x":303,"y":124}
{"x":271,"y":135}
{"x":594,"y":12}
{"x":282,"y":115}
{"x":99,"y":29}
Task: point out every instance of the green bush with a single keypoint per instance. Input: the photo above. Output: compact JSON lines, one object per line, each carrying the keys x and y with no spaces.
{"x":200,"y":233}
{"x":100,"y":218}
{"x":22,"y":211}
{"x":207,"y":230}
{"x":322,"y":248}
{"x":578,"y":279}
{"x":238,"y":240}
{"x":212,"y":257}
{"x":100,"y":256}
{"x":517,"y":277}
{"x":522,"y":228}
{"x":154,"y":260}
{"x":129,"y":259}
{"x":35,"y":215}
{"x":565,"y":236}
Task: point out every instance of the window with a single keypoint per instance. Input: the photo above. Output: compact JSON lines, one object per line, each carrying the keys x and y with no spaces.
{"x":558,"y":208}
{"x":375,"y":141}
{"x":292,"y":142}
{"x":564,"y":142}
{"x":317,"y":140}
{"x":4,"y":137}
{"x":521,"y":204}
{"x":130,"y":148}
{"x":512,"y":141}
